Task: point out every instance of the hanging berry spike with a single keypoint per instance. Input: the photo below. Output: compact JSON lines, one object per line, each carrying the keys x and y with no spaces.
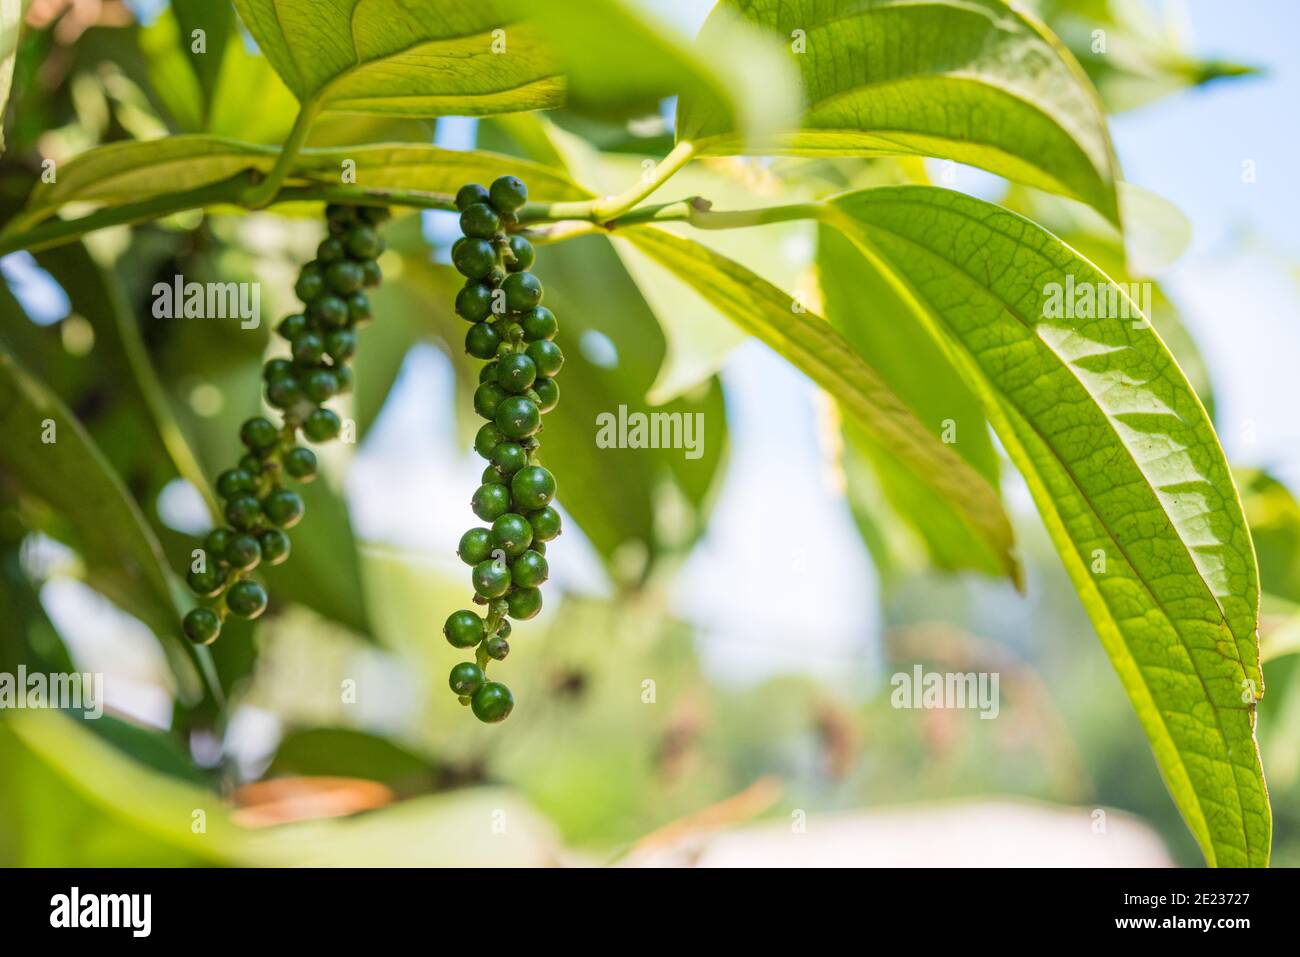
{"x":513,"y":332}
{"x":322,"y":339}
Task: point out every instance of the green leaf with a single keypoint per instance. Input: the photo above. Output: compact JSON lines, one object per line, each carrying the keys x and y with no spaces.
{"x":616,"y":56}
{"x":1126,"y":470}
{"x":11,"y":14}
{"x":104,"y":794}
{"x":48,"y":453}
{"x":405,"y":57}
{"x":862,"y":305}
{"x":132,"y":171}
{"x":830,"y":360}
{"x":343,"y":752}
{"x":974,"y":81}
{"x":1131,"y":57}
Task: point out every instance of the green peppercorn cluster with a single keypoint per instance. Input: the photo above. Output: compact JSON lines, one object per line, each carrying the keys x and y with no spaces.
{"x":322,"y":341}
{"x":513,"y":331}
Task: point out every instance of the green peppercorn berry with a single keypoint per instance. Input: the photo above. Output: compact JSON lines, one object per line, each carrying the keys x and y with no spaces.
{"x":475,"y":546}
{"x":330,"y":311}
{"x":243,"y":512}
{"x":488,"y":373}
{"x":523,"y":291}
{"x":283,"y":507}
{"x":491,"y":578}
{"x":547,"y":356}
{"x":364,"y":242}
{"x":278,"y":369}
{"x":524,"y":603}
{"x":251,"y":463}
{"x":341,"y":345}
{"x":320,"y":384}
{"x":346,"y":378}
{"x":487,"y":399}
{"x":474,"y":301}
{"x":293,"y":326}
{"x":480,"y":220}
{"x":517,"y":417}
{"x":243,"y":552}
{"x":340,"y":214}
{"x":283,"y":393}
{"x":529,"y":570}
{"x":523,"y":252}
{"x":547,"y":392}
{"x":372,"y":274}
{"x":491,"y":476}
{"x":310,"y":284}
{"x":201,"y":626}
{"x":492,"y":703}
{"x":546,"y":524}
{"x":482,"y":341}
{"x":516,"y":372}
{"x":512,"y":534}
{"x":343,"y":277}
{"x":233,"y":482}
{"x":247,"y":599}
{"x":466,"y":678}
{"x":508,"y":193}
{"x":258,"y":433}
{"x":487,"y":438}
{"x":490,"y":502}
{"x":509,"y":457}
{"x":329,"y":250}
{"x":533,"y":487}
{"x":539,"y":323}
{"x":469,"y":194}
{"x":321,"y":425}
{"x":374,"y":215}
{"x":300,"y":463}
{"x":359,"y":309}
{"x":308,"y":349}
{"x":474,"y":258}
{"x":463,"y":629}
{"x":217,"y":540}
{"x":497,"y":647}
{"x":206,"y":583}
{"x":275,"y":546}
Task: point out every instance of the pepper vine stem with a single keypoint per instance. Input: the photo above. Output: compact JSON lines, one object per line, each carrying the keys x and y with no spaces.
{"x":557,"y":221}
{"x":615,"y":206}
{"x":264,"y":193}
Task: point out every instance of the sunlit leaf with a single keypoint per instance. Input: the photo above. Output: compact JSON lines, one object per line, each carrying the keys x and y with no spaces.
{"x":976,"y":81}
{"x":1126,"y":470}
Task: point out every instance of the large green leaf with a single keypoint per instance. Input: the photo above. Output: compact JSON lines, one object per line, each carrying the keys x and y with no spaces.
{"x":405,"y":57}
{"x":830,"y":360}
{"x":615,"y":55}
{"x":1126,"y":470}
{"x":974,"y":81}
{"x":132,"y":171}
{"x":52,"y":459}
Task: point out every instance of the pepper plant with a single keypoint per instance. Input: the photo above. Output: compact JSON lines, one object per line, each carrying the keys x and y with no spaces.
{"x":927,"y":321}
